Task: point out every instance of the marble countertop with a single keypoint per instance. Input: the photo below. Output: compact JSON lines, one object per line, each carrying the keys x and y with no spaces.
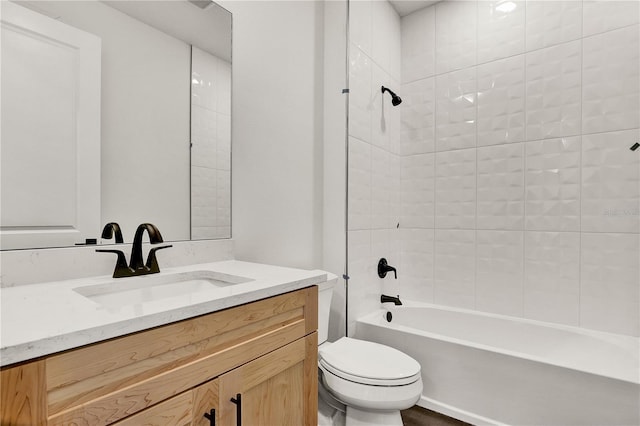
{"x":42,"y":319}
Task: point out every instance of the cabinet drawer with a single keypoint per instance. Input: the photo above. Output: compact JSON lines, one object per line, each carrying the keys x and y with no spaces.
{"x":108,"y":381}
{"x":185,"y":409}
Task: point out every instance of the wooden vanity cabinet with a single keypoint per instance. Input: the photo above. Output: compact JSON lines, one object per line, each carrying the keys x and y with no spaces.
{"x":257,"y":360}
{"x":187,"y":408}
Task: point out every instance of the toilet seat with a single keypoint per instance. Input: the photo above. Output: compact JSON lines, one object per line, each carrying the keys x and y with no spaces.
{"x":369,"y":376}
{"x":368,"y":363}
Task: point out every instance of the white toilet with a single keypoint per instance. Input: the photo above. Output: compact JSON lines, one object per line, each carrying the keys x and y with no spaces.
{"x":373,"y":381}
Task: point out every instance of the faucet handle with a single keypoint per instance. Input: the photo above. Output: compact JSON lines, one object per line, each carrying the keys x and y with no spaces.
{"x":122,"y":269}
{"x":152,"y":261}
{"x":384,"y":267}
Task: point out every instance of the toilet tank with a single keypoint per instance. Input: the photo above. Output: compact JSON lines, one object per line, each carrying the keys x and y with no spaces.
{"x":325,"y":291}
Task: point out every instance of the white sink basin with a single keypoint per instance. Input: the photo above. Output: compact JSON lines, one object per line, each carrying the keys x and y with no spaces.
{"x":150,"y":288}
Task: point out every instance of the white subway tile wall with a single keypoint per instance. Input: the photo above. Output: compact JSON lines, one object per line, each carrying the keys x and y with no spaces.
{"x":515,"y":189}
{"x":210,"y":146}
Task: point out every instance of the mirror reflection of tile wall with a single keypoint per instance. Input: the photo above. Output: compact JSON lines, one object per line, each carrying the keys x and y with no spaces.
{"x":211,"y":146}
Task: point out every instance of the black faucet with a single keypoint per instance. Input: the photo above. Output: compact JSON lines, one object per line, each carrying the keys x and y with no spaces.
{"x":136,"y":266}
{"x":383,"y":268}
{"x":155,"y":237}
{"x":110,"y":229}
{"x":396,"y":300}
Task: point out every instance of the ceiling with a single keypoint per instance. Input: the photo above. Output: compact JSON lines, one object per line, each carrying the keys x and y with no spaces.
{"x":405,"y":7}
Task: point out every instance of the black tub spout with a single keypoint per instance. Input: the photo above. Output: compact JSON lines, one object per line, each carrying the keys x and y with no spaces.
{"x":395,"y":300}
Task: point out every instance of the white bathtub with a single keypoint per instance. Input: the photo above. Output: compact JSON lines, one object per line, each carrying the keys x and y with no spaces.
{"x":491,"y":369}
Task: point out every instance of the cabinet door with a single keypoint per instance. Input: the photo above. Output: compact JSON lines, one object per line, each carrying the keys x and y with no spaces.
{"x":279,"y":388}
{"x":187,"y":408}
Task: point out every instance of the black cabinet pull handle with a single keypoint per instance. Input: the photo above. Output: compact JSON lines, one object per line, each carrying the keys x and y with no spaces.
{"x":211,"y":415}
{"x":238,"y":401}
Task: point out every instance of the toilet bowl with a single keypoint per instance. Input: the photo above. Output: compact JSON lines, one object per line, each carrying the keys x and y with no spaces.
{"x":373,"y":381}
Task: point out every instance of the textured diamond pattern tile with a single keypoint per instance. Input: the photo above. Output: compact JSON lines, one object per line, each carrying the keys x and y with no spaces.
{"x":363,"y":282}
{"x":381,"y":188}
{"x":419,"y":45}
{"x":553,"y":184}
{"x":456,"y":189}
{"x":552,"y":22}
{"x":386,"y":38}
{"x":610,"y":294}
{"x":395,"y":198}
{"x":500,"y":272}
{"x":360,"y":25}
{"x":456,"y":110}
{"x":605,"y":15}
{"x":418,"y":191}
{"x":360,"y":95}
{"x":385,"y":243}
{"x":456,"y":26}
{"x":611,"y":81}
{"x":512,"y":139}
{"x":554,"y":91}
{"x":416,"y":264}
{"x":455,"y":267}
{"x":552,"y":273}
{"x":610,"y":182}
{"x":359,"y":184}
{"x":501,"y":29}
{"x":418,"y":117}
{"x":501,"y":187}
{"x":501,"y":100}
{"x":385,"y":118}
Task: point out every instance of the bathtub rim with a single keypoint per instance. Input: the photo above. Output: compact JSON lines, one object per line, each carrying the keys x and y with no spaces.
{"x":630,"y":343}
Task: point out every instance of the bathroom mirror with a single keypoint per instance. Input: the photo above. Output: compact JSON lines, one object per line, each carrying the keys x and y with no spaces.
{"x":163,"y":124}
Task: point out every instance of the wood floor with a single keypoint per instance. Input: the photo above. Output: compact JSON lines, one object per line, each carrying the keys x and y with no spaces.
{"x":418,"y":416}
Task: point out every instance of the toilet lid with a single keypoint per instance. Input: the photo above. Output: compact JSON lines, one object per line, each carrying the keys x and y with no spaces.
{"x":353,"y":358}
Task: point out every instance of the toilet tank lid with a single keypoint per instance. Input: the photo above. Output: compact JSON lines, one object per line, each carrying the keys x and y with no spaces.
{"x":368,"y":359}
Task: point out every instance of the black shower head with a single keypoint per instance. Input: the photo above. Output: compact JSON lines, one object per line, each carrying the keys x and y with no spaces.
{"x":395,"y":99}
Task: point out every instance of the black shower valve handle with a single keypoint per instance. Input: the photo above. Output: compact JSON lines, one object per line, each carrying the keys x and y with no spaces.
{"x":384,"y":267}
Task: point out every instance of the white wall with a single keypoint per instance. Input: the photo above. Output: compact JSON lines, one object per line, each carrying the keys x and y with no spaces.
{"x":520,"y":194}
{"x":277,"y":156}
